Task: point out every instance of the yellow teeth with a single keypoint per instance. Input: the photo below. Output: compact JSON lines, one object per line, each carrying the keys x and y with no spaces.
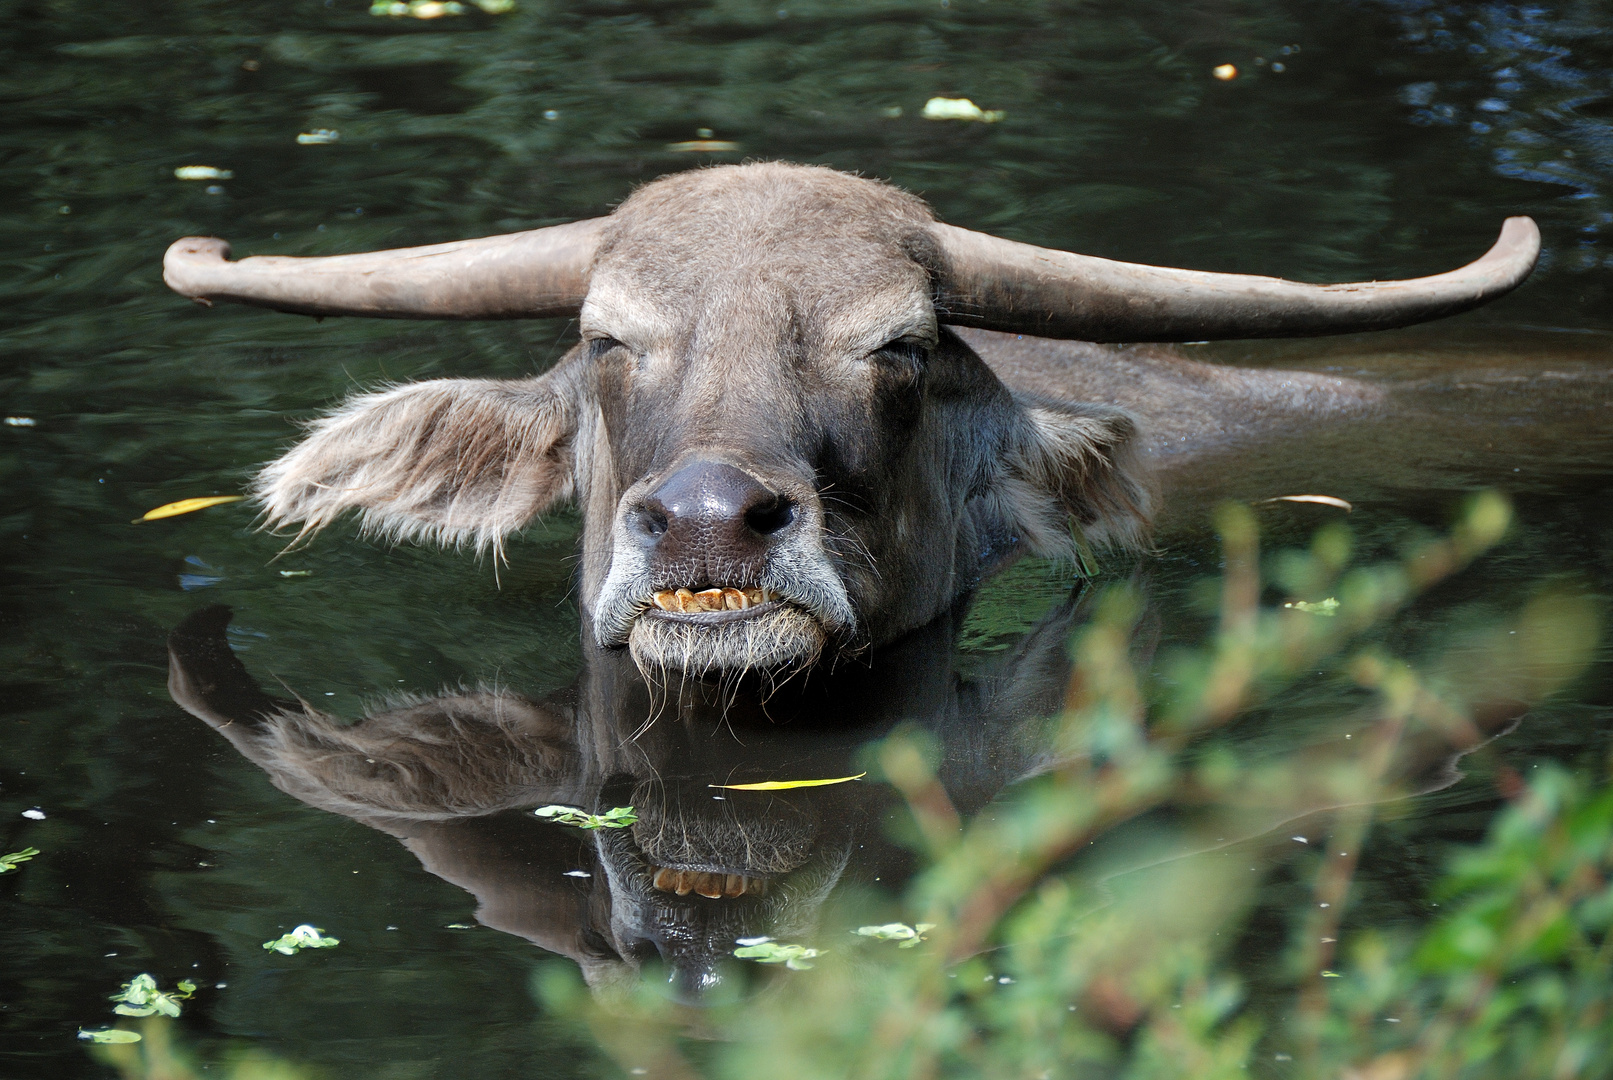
{"x":726,"y":599}
{"x":714,"y":886}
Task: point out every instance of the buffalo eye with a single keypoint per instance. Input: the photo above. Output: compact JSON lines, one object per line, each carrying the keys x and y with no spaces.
{"x":601,"y":344}
{"x":903,"y":358}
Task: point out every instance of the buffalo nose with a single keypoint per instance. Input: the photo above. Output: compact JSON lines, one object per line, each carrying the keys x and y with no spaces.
{"x":714,"y":512}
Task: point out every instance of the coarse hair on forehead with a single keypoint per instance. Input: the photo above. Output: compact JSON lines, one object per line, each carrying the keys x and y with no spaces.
{"x":771,"y":199}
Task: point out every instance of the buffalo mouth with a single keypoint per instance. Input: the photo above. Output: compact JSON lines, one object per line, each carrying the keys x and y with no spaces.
{"x":714,"y":600}
{"x":714,"y":885}
{"x":728,"y":629}
{"x":685,"y":846}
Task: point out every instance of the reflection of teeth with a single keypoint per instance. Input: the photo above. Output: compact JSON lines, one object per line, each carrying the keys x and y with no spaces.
{"x":721,"y":598}
{"x":711,"y":886}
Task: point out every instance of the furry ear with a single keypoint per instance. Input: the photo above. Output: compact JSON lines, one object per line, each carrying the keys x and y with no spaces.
{"x":451,"y":461}
{"x":1076,"y":464}
{"x":454,"y":755}
{"x":474,"y":752}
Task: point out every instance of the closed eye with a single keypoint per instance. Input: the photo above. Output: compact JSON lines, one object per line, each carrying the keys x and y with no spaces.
{"x":906,"y":355}
{"x":600,"y":344}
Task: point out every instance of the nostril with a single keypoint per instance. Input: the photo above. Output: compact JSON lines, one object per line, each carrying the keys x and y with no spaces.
{"x":652,"y":521}
{"x":639,"y":950}
{"x":772,"y":517}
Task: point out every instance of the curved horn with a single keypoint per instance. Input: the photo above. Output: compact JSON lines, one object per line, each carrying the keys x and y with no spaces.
{"x":1002,"y":285}
{"x":538,"y":274}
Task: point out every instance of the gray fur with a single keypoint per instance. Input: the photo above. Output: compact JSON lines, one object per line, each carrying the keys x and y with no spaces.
{"x":416,"y":759}
{"x":450,"y":462}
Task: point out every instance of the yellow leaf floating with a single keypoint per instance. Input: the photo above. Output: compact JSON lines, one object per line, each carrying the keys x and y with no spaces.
{"x":186,"y":506}
{"x":784,"y":785}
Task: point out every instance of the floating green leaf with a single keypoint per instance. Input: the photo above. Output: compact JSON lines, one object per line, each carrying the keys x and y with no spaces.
{"x":202,"y":172}
{"x":9,"y":862}
{"x":417,"y":9}
{"x":619,"y":817}
{"x":1328,"y":607}
{"x":785,"y":785}
{"x":140,"y":997}
{"x":908,"y":936}
{"x":302,"y":937}
{"x":940,"y":108}
{"x":765,"y":950}
{"x":109,"y":1035}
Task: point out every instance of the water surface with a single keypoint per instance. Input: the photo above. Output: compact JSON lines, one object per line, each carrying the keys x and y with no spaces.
{"x":1392,"y":142}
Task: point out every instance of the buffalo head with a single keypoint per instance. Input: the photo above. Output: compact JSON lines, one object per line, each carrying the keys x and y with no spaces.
{"x":778,"y":445}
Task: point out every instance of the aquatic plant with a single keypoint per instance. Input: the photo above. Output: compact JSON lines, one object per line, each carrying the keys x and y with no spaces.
{"x":618,"y":817}
{"x":109,"y":1035}
{"x":12,"y":861}
{"x":906,"y":936}
{"x":765,"y":950}
{"x":140,"y":997}
{"x":300,"y":938}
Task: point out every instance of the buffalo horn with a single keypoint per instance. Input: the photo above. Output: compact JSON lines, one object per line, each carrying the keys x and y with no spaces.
{"x":999,"y":284}
{"x":525,"y":275}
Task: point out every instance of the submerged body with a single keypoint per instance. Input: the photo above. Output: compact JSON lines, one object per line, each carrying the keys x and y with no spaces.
{"x":1365,"y":418}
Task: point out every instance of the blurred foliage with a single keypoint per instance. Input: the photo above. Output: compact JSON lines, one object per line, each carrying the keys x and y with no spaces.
{"x":1047,"y":957}
{"x":1515,"y":978}
{"x":160,"y":1055}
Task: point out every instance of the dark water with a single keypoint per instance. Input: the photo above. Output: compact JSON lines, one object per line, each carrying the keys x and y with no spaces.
{"x":1391,"y":143}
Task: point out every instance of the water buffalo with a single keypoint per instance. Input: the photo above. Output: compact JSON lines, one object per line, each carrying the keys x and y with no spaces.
{"x":780,"y":440}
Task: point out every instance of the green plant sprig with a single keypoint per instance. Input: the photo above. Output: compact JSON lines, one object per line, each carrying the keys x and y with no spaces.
{"x":619,"y":817}
{"x":10,"y":862}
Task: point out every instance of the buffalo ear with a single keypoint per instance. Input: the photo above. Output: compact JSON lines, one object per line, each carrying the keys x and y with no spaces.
{"x":451,"y":461}
{"x":1076,"y":465}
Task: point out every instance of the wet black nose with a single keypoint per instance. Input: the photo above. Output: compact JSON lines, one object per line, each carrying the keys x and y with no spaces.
{"x":713,"y":514}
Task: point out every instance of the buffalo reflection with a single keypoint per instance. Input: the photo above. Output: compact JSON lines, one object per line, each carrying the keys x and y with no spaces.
{"x":704,"y":867}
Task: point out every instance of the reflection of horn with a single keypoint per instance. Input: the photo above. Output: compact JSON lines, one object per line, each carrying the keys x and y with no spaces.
{"x":538,"y":274}
{"x":999,"y":284}
{"x":207,"y":679}
{"x":434,"y":774}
